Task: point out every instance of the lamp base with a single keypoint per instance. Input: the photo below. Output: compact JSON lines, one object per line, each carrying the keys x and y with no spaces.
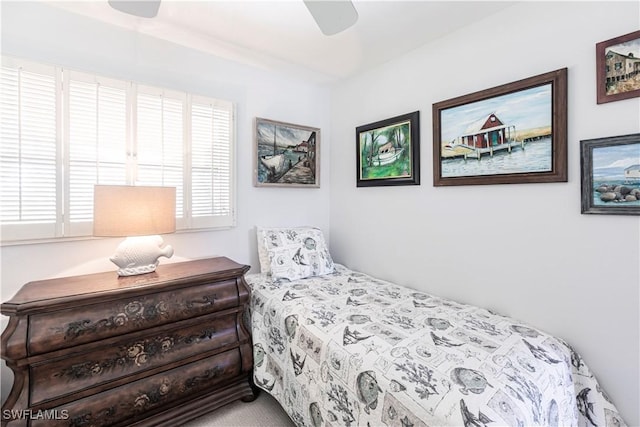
{"x":139,"y":255}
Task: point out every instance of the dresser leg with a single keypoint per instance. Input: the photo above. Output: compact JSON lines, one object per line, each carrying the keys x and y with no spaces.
{"x":254,"y":389}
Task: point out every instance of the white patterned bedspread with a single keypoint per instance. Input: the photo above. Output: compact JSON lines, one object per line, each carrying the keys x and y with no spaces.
{"x":348,"y":349}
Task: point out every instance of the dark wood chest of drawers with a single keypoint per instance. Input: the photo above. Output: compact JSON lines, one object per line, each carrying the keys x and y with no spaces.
{"x":102,"y":350}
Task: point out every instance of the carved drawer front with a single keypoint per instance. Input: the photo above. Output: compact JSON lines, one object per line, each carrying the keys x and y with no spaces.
{"x":130,"y":402}
{"x":72,"y":327}
{"x":71,"y":374}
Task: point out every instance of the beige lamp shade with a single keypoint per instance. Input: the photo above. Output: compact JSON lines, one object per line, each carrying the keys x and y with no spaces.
{"x":121,"y":210}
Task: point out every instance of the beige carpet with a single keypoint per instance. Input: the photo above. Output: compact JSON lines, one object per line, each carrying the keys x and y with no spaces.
{"x":264,"y":411}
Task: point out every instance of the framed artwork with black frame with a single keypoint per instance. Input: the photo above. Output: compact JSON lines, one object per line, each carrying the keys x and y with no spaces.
{"x":509,"y":134}
{"x":611,"y":175}
{"x":388,"y":152}
{"x":618,"y":68}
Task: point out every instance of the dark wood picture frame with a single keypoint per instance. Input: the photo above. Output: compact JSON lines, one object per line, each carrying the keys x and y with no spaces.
{"x":611,"y":175}
{"x":473,"y":131}
{"x":388,"y":152}
{"x":618,"y":68}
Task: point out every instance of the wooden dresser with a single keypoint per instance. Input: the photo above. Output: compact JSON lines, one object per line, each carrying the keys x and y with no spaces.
{"x":158,"y":348}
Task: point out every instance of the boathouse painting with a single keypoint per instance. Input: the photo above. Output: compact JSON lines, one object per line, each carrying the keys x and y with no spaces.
{"x":513,"y":133}
{"x":501,"y":135}
{"x":286,"y":155}
{"x":486,"y":136}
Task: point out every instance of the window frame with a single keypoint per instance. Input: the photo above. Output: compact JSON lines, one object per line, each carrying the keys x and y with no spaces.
{"x":63,"y":229}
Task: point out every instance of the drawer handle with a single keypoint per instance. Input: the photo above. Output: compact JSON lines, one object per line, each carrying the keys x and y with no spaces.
{"x":87,"y":417}
{"x":209,"y":374}
{"x":205,"y":300}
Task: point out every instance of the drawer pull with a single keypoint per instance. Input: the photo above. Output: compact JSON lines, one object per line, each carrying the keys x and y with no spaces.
{"x":85,"y":419}
{"x":205,"y":300}
{"x":209,"y":374}
{"x":152,"y":397}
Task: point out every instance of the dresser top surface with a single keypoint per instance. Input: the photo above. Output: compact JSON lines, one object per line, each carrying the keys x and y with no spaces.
{"x":108,"y":283}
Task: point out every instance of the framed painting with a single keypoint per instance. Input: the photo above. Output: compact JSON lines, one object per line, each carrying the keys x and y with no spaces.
{"x":514,"y":133}
{"x":611,"y":175}
{"x":618,"y":68}
{"x":286,"y":155}
{"x":388,"y":152}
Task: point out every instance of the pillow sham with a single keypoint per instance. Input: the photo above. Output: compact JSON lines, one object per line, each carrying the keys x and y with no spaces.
{"x":263,"y":255}
{"x":296,"y":253}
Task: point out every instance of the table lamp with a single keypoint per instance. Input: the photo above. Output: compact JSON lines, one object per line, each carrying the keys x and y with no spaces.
{"x":141,"y":214}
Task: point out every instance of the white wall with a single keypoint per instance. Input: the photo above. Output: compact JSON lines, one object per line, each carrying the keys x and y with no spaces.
{"x":48,"y":34}
{"x":576,"y":276}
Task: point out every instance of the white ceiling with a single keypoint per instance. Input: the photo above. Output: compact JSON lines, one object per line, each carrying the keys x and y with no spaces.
{"x":281,"y":35}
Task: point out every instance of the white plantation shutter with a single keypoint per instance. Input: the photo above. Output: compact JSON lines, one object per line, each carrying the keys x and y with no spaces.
{"x":221,"y":162}
{"x":29,"y":121}
{"x":64,"y":131}
{"x":160,"y":142}
{"x":211,"y":163}
{"x":96,"y":131}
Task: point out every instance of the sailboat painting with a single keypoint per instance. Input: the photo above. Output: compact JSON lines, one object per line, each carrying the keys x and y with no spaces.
{"x":286,"y":155}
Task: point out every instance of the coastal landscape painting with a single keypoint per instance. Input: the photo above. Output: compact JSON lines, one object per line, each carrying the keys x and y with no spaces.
{"x":388,"y":152}
{"x":286,"y":155}
{"x":618,"y":68}
{"x":611,"y":175}
{"x":514,"y":133}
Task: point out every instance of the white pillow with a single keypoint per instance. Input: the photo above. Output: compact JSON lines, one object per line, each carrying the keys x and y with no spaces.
{"x":295,"y":253}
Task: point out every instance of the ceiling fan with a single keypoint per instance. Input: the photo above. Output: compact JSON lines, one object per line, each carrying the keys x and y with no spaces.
{"x":141,"y":8}
{"x":332,"y":16}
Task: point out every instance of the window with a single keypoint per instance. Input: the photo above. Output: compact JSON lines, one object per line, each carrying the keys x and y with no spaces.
{"x":63,"y":131}
{"x":29,"y":152}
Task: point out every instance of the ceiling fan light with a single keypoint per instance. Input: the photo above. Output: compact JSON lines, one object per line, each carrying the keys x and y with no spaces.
{"x":332,"y":16}
{"x":141,"y":8}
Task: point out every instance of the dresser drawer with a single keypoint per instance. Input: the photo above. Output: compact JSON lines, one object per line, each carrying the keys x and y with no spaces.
{"x":52,"y":379}
{"x":72,"y":327}
{"x":138,"y":399}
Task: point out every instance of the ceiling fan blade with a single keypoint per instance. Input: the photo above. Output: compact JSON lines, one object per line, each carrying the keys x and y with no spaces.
{"x":142,"y":8}
{"x":332,"y":16}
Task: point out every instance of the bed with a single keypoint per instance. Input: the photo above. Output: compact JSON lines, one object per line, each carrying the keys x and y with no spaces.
{"x":338,"y":347}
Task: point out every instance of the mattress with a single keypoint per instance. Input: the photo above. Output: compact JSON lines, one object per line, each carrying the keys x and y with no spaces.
{"x":347,"y":349}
